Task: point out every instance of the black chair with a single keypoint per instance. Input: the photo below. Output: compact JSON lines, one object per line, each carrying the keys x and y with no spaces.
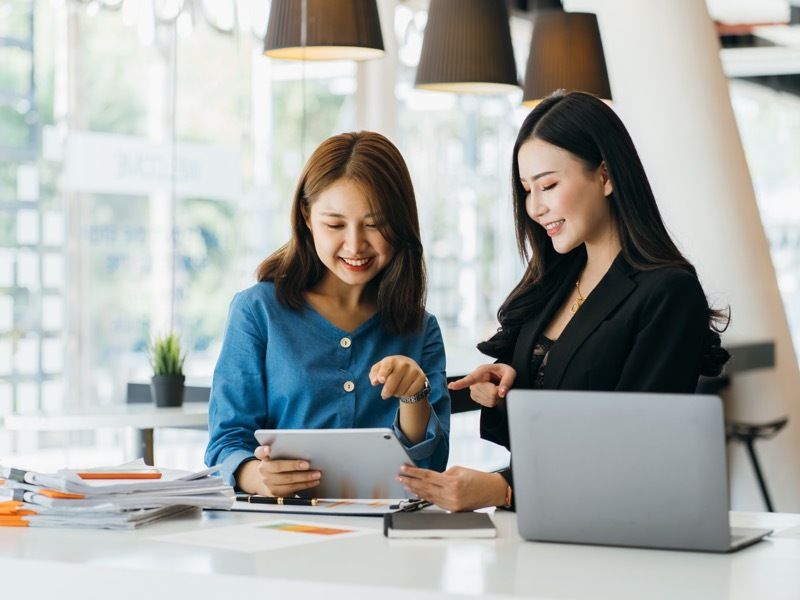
{"x":745,"y":432}
{"x":139,"y":393}
{"x":460,"y":401}
{"x":748,"y":433}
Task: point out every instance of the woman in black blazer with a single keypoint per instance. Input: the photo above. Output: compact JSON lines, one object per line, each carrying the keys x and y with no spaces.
{"x":607,"y":301}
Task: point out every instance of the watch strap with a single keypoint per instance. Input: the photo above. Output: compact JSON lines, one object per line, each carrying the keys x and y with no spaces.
{"x":421,"y":395}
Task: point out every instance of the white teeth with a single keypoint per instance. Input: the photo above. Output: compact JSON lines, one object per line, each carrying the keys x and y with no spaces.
{"x":554,"y":225}
{"x":356,"y":263}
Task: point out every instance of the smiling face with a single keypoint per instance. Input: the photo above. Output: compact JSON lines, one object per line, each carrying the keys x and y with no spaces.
{"x":567,"y":200}
{"x":346,"y":236}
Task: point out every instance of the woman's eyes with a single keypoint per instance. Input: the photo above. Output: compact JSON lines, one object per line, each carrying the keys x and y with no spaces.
{"x":542,"y":188}
{"x":336,"y":226}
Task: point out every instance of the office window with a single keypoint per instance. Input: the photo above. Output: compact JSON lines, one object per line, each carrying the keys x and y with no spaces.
{"x":149,"y":155}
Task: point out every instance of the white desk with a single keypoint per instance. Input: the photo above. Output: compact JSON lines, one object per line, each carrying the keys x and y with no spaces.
{"x":91,"y":564}
{"x":142,"y":417}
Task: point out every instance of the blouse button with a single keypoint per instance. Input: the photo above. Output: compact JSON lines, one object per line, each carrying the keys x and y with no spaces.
{"x":345,"y":342}
{"x":349,"y":386}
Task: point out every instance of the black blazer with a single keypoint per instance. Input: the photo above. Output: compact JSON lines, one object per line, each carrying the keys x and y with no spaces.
{"x":636,"y":331}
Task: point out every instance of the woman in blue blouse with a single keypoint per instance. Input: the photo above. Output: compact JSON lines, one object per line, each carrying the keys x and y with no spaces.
{"x":335,"y":332}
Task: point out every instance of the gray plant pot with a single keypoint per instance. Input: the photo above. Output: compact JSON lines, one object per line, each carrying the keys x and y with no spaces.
{"x":167,"y":390}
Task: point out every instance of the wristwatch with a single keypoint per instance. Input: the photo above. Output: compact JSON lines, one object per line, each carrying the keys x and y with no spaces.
{"x":420,"y":395}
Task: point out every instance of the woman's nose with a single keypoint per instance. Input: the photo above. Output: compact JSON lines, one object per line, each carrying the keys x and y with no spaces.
{"x":533,"y":207}
{"x":354,"y":240}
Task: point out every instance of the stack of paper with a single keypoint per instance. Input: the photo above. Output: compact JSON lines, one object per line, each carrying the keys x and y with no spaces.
{"x":122,"y":497}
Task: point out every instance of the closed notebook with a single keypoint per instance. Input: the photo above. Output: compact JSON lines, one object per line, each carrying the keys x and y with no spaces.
{"x":438,"y":525}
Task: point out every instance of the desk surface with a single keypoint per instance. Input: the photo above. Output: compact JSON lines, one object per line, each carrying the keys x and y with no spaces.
{"x":88,"y":564}
{"x":139,"y":416}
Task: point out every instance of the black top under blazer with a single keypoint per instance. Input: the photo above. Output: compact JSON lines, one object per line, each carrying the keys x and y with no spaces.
{"x":637,"y":331}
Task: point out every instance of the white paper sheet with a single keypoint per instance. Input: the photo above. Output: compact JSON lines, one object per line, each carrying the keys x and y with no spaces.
{"x":268,"y":535}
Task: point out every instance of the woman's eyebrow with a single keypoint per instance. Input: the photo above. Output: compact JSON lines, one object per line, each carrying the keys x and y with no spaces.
{"x":542,"y":174}
{"x":336,"y":215}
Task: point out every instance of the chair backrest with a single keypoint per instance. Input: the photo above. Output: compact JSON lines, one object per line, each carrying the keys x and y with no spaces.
{"x":459,"y":399}
{"x":139,"y":393}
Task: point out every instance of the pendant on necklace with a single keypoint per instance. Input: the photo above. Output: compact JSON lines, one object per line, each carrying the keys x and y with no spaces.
{"x":577,"y":304}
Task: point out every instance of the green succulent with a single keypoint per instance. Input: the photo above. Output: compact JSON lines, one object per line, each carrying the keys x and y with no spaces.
{"x":165,"y":356}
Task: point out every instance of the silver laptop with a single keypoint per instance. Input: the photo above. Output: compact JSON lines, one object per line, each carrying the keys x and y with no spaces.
{"x":622,"y":469}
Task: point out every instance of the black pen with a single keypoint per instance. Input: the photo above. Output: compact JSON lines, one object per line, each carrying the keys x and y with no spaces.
{"x":414,"y":505}
{"x":255,"y":499}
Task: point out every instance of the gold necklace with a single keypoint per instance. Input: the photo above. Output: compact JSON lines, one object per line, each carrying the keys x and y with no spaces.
{"x":577,"y":304}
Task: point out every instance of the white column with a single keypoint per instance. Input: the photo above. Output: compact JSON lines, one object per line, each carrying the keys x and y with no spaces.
{"x":670,"y":90}
{"x":375,"y":99}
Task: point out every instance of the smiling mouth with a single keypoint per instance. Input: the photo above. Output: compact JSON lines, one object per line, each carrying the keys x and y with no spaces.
{"x":554,"y":225}
{"x":356,"y":264}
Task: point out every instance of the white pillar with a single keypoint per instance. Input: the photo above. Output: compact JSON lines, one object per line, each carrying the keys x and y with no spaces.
{"x":669,"y":88}
{"x":375,"y":95}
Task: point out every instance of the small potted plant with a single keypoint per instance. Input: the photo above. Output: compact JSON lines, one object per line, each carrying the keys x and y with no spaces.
{"x":167,"y":383}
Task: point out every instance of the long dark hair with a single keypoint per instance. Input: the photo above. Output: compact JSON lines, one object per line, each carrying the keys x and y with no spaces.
{"x":373,"y":163}
{"x":587,"y":128}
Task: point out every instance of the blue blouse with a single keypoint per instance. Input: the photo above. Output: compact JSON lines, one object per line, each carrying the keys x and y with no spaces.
{"x":281,"y":368}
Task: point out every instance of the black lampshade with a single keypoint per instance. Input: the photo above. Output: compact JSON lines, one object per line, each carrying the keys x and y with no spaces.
{"x":334,"y":30}
{"x":467,"y":48}
{"x":566,"y":53}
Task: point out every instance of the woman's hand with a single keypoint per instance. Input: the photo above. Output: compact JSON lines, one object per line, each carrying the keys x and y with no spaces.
{"x":278,"y":478}
{"x":400,"y":376}
{"x":488,"y":384}
{"x":457,"y":489}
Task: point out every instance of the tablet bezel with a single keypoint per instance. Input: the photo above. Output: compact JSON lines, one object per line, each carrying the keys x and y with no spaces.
{"x":355,"y":463}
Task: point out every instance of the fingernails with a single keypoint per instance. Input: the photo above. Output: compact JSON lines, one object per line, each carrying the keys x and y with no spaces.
{"x":316,"y":475}
{"x":404,"y":468}
{"x":501,"y":391}
{"x":303,"y":465}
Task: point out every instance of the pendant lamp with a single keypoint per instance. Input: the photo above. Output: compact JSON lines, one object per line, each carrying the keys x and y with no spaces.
{"x":324,"y":30}
{"x":566,"y":53}
{"x":466,"y":48}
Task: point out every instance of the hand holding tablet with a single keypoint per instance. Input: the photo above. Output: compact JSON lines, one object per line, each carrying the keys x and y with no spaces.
{"x":353,"y":463}
{"x":285,"y":476}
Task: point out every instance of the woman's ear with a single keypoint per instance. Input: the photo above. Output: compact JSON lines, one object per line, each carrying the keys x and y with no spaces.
{"x":608,"y":188}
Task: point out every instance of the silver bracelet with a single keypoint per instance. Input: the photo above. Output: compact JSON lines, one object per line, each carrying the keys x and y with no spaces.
{"x":421,"y":395}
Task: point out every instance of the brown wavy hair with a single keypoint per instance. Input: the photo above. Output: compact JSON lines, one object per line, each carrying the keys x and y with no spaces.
{"x":370,"y":161}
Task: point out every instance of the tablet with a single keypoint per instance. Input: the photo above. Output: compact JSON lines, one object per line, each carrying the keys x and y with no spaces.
{"x":355,"y":463}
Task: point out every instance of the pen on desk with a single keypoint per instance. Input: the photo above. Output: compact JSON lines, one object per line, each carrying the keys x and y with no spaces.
{"x":255,"y":499}
{"x":414,"y":505}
